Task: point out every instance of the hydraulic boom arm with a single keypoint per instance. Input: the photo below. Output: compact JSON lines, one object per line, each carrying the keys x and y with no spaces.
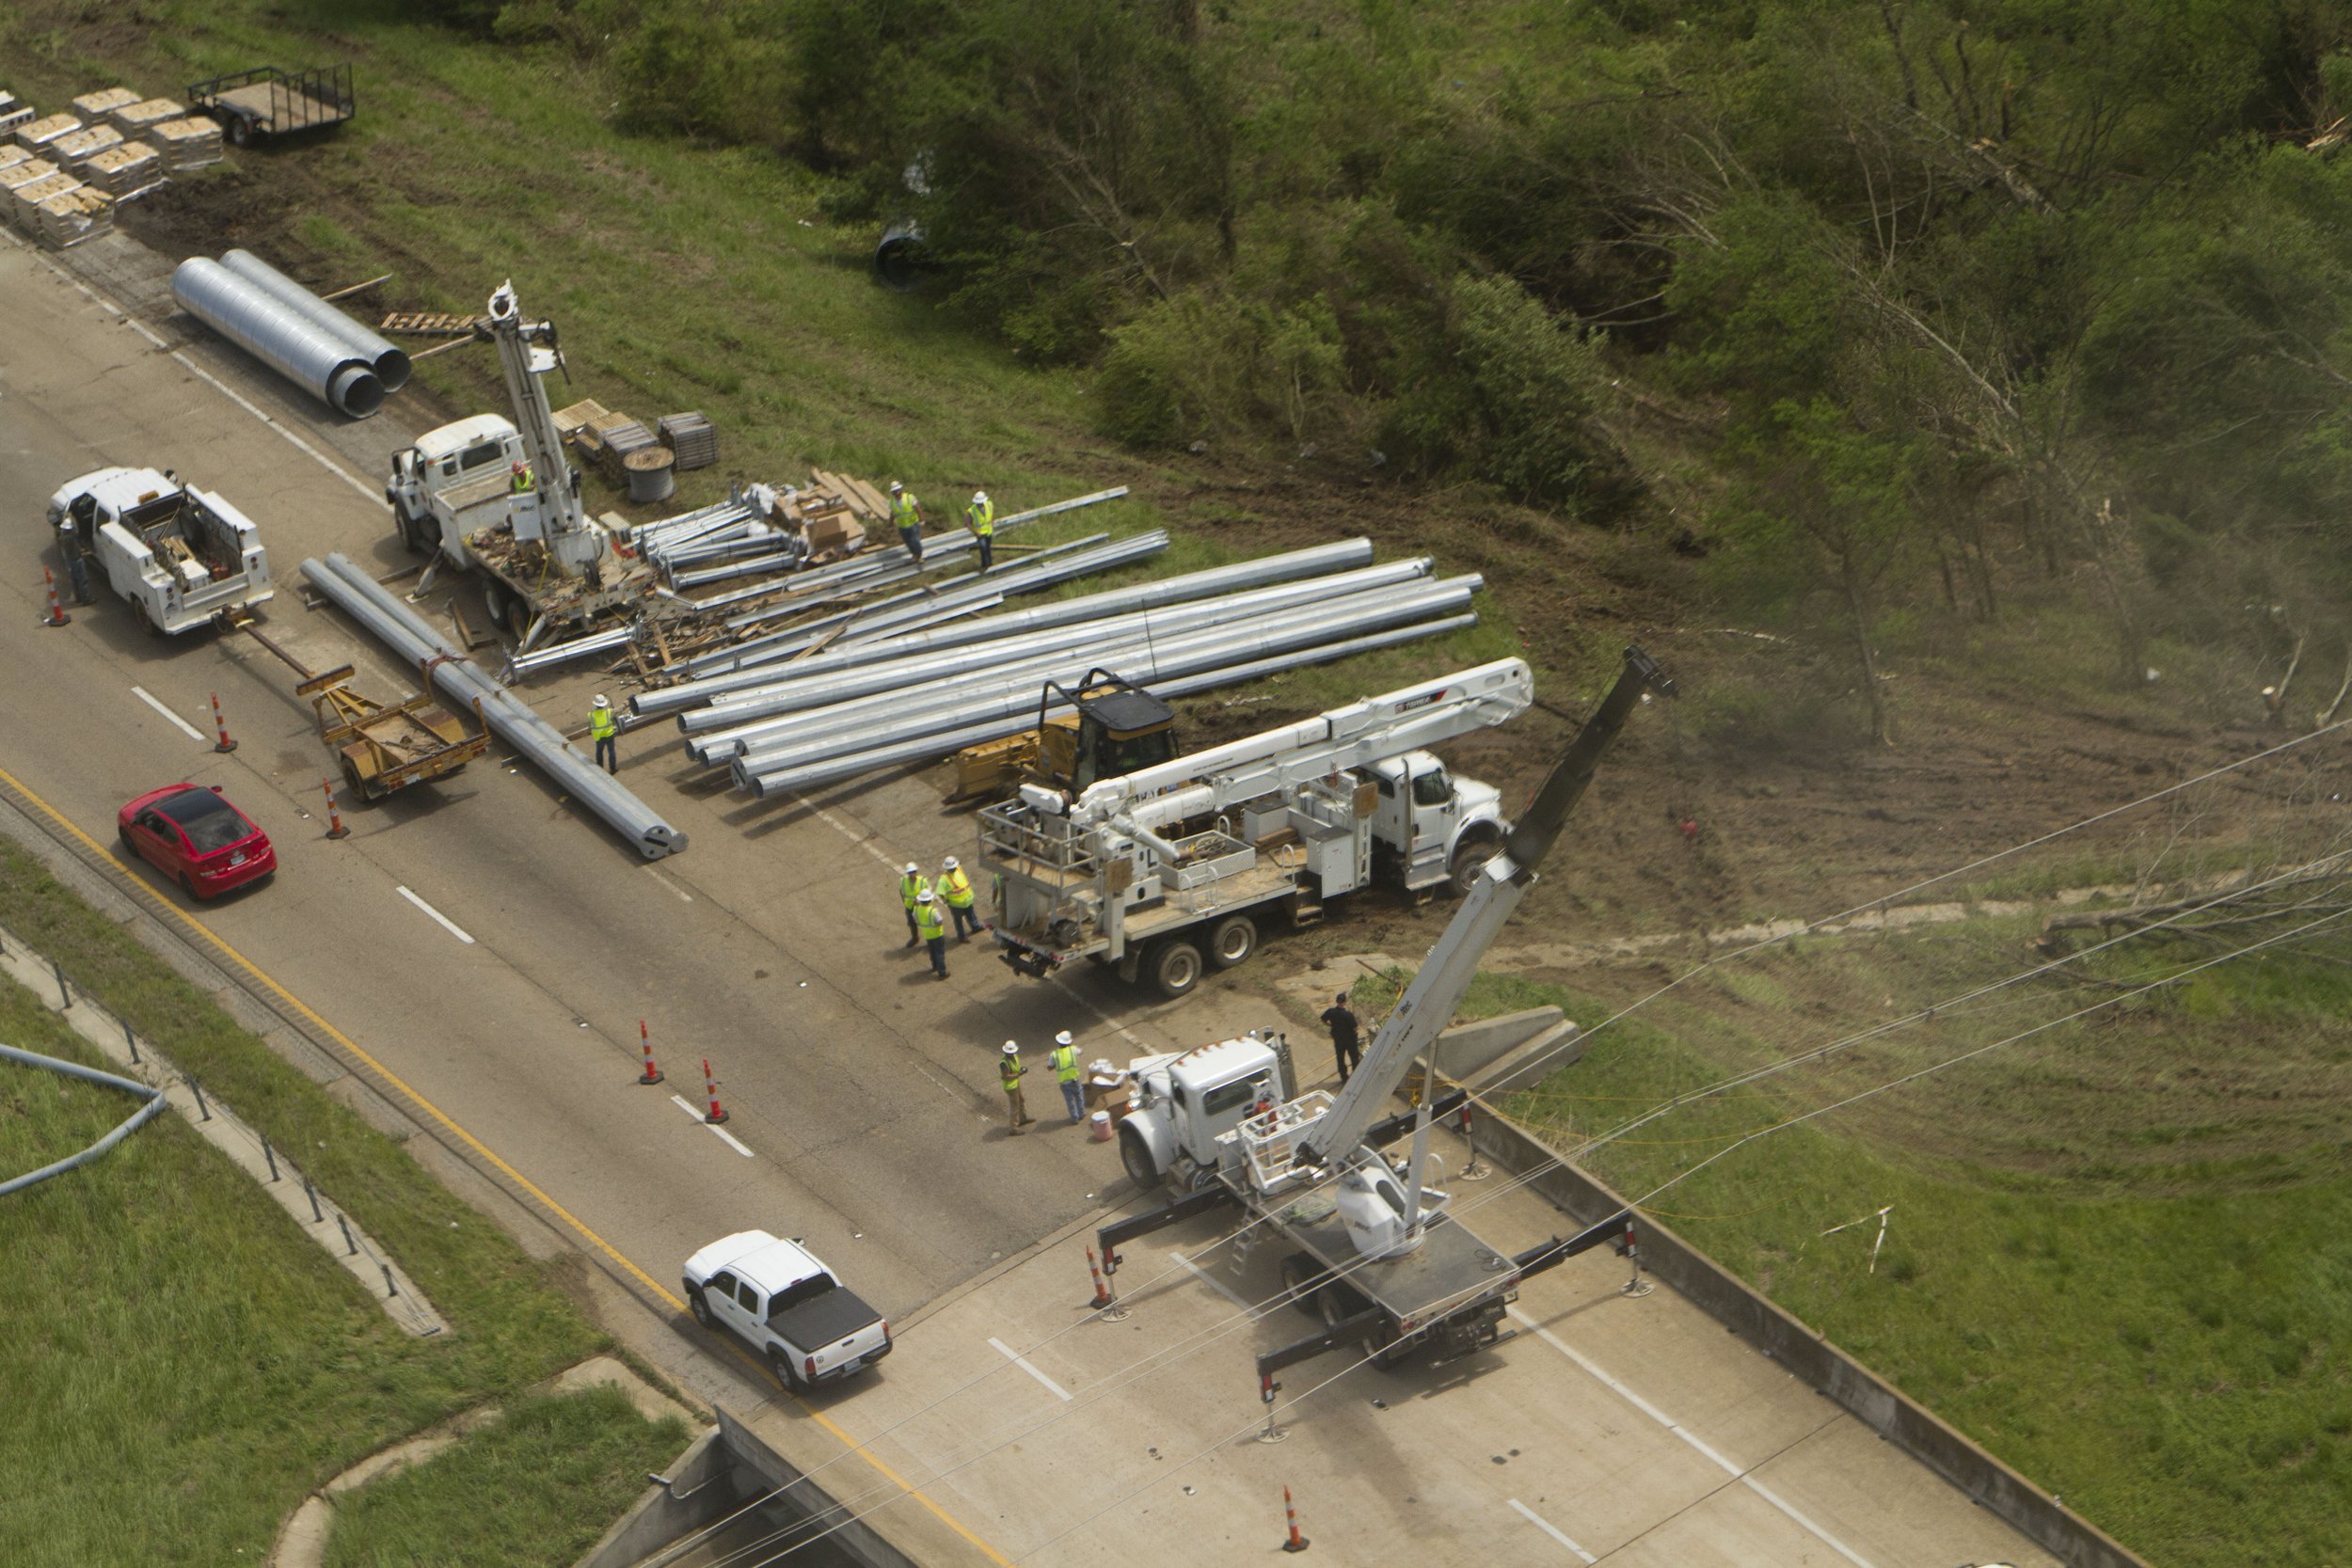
{"x":1429,"y":1002}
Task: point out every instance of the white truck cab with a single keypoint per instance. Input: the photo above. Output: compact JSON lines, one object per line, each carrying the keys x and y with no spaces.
{"x":792,"y":1309}
{"x":1439,"y":826}
{"x":179,"y":556}
{"x":1186,"y":1103}
{"x":454,"y":480}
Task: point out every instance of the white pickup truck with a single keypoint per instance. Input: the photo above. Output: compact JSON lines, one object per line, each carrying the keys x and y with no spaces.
{"x":179,"y":557}
{"x":775,"y":1294}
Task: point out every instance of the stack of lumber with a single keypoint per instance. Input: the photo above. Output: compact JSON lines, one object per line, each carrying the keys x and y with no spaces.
{"x":36,"y":135}
{"x":15,"y":174}
{"x":14,"y":112}
{"x":137,"y":120}
{"x":12,"y":156}
{"x":96,"y":106}
{"x":832,"y":513}
{"x":25,"y":200}
{"x":691,"y":437}
{"x":125,"y":171}
{"x":569,"y":422}
{"x":76,"y":148}
{"x":185,"y":144}
{"x":71,"y":216}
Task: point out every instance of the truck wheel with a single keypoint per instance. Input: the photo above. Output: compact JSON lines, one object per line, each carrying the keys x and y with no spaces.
{"x":1475,"y":851}
{"x":147,"y":622}
{"x":701,"y":1309}
{"x":1135,"y":1155}
{"x":240,"y":130}
{"x":422,"y":535}
{"x":786,"y":1372}
{"x":1176,"y":969}
{"x":1235,"y":939}
{"x":1339,"y":1301}
{"x":1300,"y":1273}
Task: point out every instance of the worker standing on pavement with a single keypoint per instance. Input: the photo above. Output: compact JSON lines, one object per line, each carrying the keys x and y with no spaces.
{"x":1346,"y":1049}
{"x":911,"y":887}
{"x":524,"y":484}
{"x":73,"y":543}
{"x":1008,"y":1071}
{"x":932,"y":930}
{"x":1065,"y":1059}
{"x":907,"y":513}
{"x":956,"y":888}
{"x":604,"y":728}
{"x":980,"y":517}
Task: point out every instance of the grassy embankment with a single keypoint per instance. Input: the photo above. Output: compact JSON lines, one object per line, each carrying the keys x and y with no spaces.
{"x":2115,"y":1254}
{"x":186,"y":1365}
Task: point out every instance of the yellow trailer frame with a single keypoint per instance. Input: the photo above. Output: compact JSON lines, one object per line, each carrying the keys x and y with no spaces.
{"x":388,"y":746}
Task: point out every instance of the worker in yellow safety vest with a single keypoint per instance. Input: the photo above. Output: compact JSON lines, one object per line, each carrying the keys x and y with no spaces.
{"x":605,"y":729}
{"x":1008,"y":1071}
{"x":1065,"y":1059}
{"x":907,"y":514}
{"x":980,"y":517}
{"x":911,"y":888}
{"x":524,"y":484}
{"x":932,"y":930}
{"x":956,"y":888}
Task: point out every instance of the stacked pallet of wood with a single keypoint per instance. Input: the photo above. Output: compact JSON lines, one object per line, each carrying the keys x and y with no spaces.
{"x":831,"y":513}
{"x":12,"y":155}
{"x":99,"y":106}
{"x":76,"y":148}
{"x":24,"y":201}
{"x":186,"y":143}
{"x":691,"y":437}
{"x":137,"y":120}
{"x":36,"y":135}
{"x":71,"y":216}
{"x":14,"y":112}
{"x":125,"y":171}
{"x":17,"y":174}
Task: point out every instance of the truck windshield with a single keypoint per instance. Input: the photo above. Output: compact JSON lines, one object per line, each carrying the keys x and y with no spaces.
{"x":795,"y":1295}
{"x":1433,"y":789}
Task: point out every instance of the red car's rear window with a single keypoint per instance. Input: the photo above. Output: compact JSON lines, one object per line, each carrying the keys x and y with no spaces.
{"x":210,"y":822}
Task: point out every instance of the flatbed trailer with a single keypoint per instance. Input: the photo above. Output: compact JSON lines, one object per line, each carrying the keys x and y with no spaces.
{"x":267,"y":102}
{"x":383,"y":746}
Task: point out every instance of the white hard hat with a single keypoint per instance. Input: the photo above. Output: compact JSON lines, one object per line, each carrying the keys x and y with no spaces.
{"x":1063,"y":1038}
{"x":1011,"y":1050}
{"x":948,"y":864}
{"x":895,"y":486}
{"x":914,"y":869}
{"x":602,"y":700}
{"x":980,"y":497}
{"x":923,"y":897}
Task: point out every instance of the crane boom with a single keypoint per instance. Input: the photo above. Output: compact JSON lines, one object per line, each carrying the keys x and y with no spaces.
{"x":552,"y":510}
{"x":1445,"y":977}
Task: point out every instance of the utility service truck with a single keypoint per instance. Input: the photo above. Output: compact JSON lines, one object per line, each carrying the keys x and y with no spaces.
{"x":179,"y":557}
{"x":459,"y":496}
{"x":1374,"y":1253}
{"x":1158,"y":867}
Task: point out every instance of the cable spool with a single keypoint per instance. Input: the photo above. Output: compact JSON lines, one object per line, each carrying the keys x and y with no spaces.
{"x":649,"y":473}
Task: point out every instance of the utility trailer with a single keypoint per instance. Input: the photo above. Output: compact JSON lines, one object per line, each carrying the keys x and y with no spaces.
{"x":383,"y":747}
{"x":1159,"y":866}
{"x":179,"y":557}
{"x":1373,"y":1251}
{"x":267,"y":102}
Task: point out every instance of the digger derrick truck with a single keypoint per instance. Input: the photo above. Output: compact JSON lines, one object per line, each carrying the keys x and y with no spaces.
{"x":1374,"y":1251}
{"x":542,"y":562}
{"x":1161,"y":867}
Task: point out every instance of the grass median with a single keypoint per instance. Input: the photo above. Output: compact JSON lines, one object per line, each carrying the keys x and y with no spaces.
{"x":186,"y":1366}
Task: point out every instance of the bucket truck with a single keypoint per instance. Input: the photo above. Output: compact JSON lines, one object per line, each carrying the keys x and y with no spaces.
{"x":541,"y":561}
{"x":1162,"y":869}
{"x":1374,"y":1251}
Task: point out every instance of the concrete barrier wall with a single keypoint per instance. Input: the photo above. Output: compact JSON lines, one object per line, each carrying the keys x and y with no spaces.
{"x":1807,"y":1355}
{"x":853,"y":1537}
{"x":702,"y":1491}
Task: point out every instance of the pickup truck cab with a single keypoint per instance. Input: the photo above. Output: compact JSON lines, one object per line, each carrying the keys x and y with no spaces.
{"x":789,"y":1306}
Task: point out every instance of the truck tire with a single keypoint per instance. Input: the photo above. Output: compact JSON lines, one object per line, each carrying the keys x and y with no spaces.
{"x":786,"y":1372}
{"x":240,"y":130}
{"x":700,"y":1307}
{"x":494,"y":603}
{"x":422,"y":535}
{"x":1301,"y":1275}
{"x":1475,"y":849}
{"x":1339,"y":1301}
{"x":1175,"y":968}
{"x":1234,"y":939}
{"x":1136,"y":1154}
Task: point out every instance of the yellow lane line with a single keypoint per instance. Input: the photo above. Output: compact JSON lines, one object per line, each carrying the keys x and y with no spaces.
{"x":388,"y":1076}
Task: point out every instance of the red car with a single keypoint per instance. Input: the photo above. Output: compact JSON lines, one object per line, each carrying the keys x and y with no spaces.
{"x":196,"y":838}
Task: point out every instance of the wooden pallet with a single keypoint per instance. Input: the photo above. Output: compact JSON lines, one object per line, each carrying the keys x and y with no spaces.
{"x":429,"y":324}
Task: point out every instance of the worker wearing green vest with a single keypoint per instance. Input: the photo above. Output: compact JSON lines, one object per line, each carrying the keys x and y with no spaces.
{"x":1008,"y":1071}
{"x":932,"y":929}
{"x":956,"y":888}
{"x":907,"y":513}
{"x":911,"y":887}
{"x":523,"y":483}
{"x":1065,"y":1059}
{"x":604,"y":729}
{"x":980,"y":517}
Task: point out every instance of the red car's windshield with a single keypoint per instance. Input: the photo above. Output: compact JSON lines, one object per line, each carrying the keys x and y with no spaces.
{"x":210,"y":822}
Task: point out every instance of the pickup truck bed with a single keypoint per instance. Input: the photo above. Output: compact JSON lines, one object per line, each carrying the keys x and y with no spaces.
{"x":831,"y":1319}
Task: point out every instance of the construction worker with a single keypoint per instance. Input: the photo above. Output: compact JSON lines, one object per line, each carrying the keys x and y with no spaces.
{"x":605,"y":729}
{"x":1345,"y":1048}
{"x":73,"y":543}
{"x":1065,"y":1059}
{"x":980,"y":518}
{"x":956,"y":888}
{"x":907,"y":513}
{"x":1008,"y":1071}
{"x":524,"y":484}
{"x":932,"y":930}
{"x":911,"y":888}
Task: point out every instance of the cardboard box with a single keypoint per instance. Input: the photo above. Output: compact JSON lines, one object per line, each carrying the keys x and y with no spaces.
{"x":839,"y":532}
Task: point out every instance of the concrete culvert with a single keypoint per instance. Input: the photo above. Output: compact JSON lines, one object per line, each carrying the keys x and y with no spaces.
{"x":388,"y":361}
{"x":898,"y":260}
{"x":278,"y":336}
